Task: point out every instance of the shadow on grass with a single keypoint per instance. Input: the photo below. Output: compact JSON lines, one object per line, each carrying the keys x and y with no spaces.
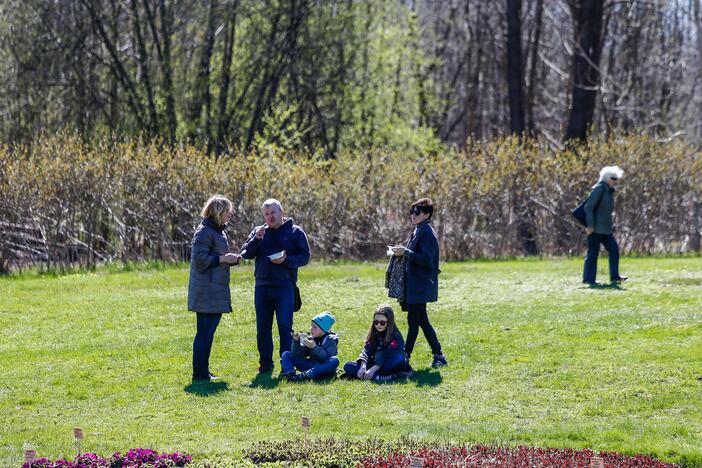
{"x":264,"y":380}
{"x":613,"y":286}
{"x":206,"y":388}
{"x":684,"y":281}
{"x":427,"y":378}
{"x":325,"y":380}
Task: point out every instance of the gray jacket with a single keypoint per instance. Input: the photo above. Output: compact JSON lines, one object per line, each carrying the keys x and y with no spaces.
{"x":208,"y":286}
{"x":599,"y":208}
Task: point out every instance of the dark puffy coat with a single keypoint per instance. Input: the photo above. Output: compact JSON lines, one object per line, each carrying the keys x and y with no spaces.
{"x":208,"y":286}
{"x":326,"y":347}
{"x":289,"y":237}
{"x":422,"y":266}
{"x":599,"y":208}
{"x":377,"y":351}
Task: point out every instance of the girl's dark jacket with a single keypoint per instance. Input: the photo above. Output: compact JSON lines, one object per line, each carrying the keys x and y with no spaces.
{"x":377,"y":351}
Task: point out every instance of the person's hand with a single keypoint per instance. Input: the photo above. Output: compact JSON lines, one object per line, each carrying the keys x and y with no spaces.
{"x":362,"y":371}
{"x":369,"y":374}
{"x":230,"y":258}
{"x":310,"y":343}
{"x":589,"y":230}
{"x":280,"y":260}
{"x":398,"y":250}
{"x":260,"y":232}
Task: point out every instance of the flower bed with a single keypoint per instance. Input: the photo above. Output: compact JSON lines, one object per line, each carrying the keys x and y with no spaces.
{"x":134,"y":458}
{"x":371,"y":453}
{"x":482,"y":456}
{"x":374,"y":453}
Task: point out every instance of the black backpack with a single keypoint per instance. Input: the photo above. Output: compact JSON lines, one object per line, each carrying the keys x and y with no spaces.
{"x":579,"y":213}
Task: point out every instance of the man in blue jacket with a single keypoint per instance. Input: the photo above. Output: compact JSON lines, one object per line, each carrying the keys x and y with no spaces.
{"x":280,"y":247}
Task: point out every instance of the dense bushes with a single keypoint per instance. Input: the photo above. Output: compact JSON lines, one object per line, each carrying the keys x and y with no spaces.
{"x":64,"y":202}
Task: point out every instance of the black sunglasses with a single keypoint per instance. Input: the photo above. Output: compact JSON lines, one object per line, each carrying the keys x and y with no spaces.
{"x":380,"y":322}
{"x":614,"y":178}
{"x":415,"y":210}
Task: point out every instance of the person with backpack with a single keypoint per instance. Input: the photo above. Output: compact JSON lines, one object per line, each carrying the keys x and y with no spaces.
{"x":599,"y":209}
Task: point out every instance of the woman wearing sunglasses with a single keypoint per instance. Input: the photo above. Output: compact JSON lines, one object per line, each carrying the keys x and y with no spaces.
{"x":422,"y":278}
{"x":383,"y":355}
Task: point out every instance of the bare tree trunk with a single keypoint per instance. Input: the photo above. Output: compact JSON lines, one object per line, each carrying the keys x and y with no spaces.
{"x":531,"y":84}
{"x":515,"y":74}
{"x":166,"y":22}
{"x":367,"y":125}
{"x":222,"y":120}
{"x":117,"y":67}
{"x":472,"y":104}
{"x":586,"y":62}
{"x":201,"y":91}
{"x":266,"y":79}
{"x":143,"y":71}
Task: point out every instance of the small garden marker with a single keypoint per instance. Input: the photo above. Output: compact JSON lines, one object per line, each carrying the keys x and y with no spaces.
{"x":29,"y":456}
{"x":306,"y":427}
{"x":596,"y":462}
{"x":78,"y":436}
{"x":416,"y":462}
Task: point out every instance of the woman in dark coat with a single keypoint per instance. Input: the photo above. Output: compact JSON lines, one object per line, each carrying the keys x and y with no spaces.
{"x":422,"y":278}
{"x":208,"y":287}
{"x":600,"y":226}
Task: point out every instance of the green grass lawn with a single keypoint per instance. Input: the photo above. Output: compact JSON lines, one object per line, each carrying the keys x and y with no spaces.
{"x":535,"y":358}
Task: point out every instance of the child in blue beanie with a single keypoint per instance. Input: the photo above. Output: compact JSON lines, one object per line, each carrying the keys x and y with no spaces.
{"x":314,"y":355}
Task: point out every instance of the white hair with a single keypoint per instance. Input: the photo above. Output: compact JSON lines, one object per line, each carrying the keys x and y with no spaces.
{"x":272,"y":202}
{"x":610,"y":172}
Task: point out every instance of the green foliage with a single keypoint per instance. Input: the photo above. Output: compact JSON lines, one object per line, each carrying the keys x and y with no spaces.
{"x":325,"y":76}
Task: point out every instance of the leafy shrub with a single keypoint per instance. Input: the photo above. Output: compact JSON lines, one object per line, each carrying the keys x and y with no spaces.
{"x":68,"y":203}
{"x":326,"y":452}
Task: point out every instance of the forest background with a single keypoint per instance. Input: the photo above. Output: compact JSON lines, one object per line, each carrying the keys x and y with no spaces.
{"x":119,"y":118}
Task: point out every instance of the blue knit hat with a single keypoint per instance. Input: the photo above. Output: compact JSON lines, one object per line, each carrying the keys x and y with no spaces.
{"x":324,"y":320}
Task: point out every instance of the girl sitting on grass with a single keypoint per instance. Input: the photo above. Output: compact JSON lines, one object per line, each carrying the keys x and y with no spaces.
{"x":383,"y":357}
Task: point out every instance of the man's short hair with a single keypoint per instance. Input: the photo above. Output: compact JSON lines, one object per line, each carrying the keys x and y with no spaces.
{"x":272,"y":202}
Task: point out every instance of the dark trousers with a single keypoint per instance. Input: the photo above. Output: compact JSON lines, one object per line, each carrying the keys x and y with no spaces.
{"x":316,"y":370}
{"x":417,"y":317}
{"x":593,"y":250}
{"x":270,"y":300}
{"x":392,"y":365}
{"x":206,"y":327}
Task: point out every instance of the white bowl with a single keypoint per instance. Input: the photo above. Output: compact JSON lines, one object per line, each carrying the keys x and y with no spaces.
{"x":276,"y":256}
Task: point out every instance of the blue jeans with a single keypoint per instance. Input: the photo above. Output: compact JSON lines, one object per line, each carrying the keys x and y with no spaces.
{"x":317,"y":370}
{"x":392,"y":365}
{"x":271,"y":300}
{"x":593,"y":249}
{"x":206,"y":327}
